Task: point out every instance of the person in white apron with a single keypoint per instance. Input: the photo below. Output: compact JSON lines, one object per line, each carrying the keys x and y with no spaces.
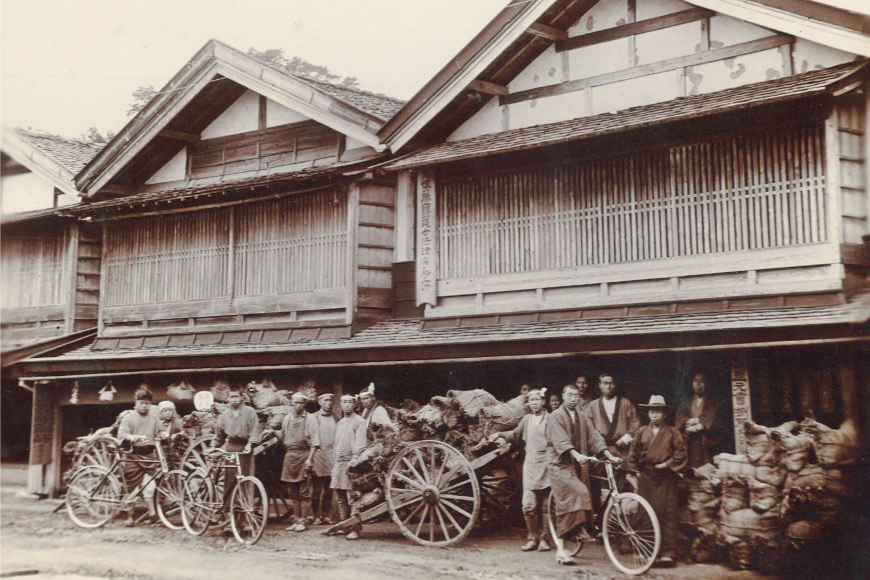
{"x":536,"y":481}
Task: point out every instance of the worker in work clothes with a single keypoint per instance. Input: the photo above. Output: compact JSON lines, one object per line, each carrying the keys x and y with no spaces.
{"x":301,"y":438}
{"x":236,"y":430}
{"x":140,"y":429}
{"x":536,"y":482}
{"x":321,"y":470}
{"x":372,"y":410}
{"x":658,"y":453}
{"x":350,"y":441}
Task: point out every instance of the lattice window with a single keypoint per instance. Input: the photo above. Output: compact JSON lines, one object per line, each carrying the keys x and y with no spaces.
{"x":35,"y":271}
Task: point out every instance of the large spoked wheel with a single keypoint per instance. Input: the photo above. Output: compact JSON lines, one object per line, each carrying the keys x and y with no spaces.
{"x":198,"y":503}
{"x":632,"y":537}
{"x":249,"y":510}
{"x":573,"y":543}
{"x":279,"y":503}
{"x":194,"y":456}
{"x":168,"y":497}
{"x":98,"y":451}
{"x":432,"y":494}
{"x":93,"y":497}
{"x":500,"y":492}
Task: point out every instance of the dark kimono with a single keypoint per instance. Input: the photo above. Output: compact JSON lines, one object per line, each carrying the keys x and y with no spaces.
{"x":625,"y":420}
{"x":659,"y":486}
{"x":566,"y":430}
{"x":703,"y":445}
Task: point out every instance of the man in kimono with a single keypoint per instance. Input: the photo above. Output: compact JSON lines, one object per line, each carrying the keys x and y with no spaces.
{"x":699,"y":420}
{"x":321,"y":470}
{"x":301,"y":437}
{"x":140,"y":429}
{"x":350,"y":441}
{"x":571,"y":439}
{"x":235,"y":430}
{"x":586,"y":396}
{"x":372,"y":410}
{"x":536,"y":482}
{"x":658,"y":453}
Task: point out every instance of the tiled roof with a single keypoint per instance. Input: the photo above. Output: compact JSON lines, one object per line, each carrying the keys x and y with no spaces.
{"x":393,"y":333}
{"x":381,"y":106}
{"x":767,"y":92}
{"x":211,"y":185}
{"x":72,"y":154}
{"x":25,"y":216}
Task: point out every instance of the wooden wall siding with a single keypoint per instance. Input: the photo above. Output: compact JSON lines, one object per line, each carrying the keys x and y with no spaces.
{"x":305,"y":143}
{"x":851,"y":126}
{"x":747,"y":192}
{"x":172,"y":258}
{"x":85,"y":302}
{"x":36,"y":270}
{"x":375,"y":249}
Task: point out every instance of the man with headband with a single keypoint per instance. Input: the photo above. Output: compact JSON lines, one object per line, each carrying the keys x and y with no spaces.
{"x":170,"y":422}
{"x":350,"y":441}
{"x":321,"y":470}
{"x":301,"y":438}
{"x":536,"y":481}
{"x":372,"y":410}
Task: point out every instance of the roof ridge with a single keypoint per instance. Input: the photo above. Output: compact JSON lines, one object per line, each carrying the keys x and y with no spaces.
{"x":41,"y":133}
{"x":349,"y":89}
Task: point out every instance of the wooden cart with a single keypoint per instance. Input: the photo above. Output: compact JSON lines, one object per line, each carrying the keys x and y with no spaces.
{"x":436,"y":495}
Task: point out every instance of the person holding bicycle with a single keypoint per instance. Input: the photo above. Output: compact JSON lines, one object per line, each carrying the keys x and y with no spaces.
{"x":137,"y":428}
{"x":658,"y":453}
{"x":571,"y":438}
{"x":235,"y":430}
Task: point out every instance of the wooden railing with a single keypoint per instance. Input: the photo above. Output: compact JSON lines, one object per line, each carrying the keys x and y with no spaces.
{"x":752,"y":191}
{"x":35,"y":271}
{"x":293,"y":244}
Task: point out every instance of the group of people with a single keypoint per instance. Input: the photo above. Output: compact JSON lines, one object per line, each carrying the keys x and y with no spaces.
{"x":561,"y":444}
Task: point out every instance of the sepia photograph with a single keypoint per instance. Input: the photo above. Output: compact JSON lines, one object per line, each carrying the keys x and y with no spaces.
{"x":435,"y":289}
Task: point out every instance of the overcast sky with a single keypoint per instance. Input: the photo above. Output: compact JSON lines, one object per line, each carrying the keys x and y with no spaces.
{"x":67,"y":65}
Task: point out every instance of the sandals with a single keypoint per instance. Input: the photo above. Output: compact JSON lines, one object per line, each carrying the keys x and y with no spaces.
{"x":529,"y":546}
{"x":565,"y":560}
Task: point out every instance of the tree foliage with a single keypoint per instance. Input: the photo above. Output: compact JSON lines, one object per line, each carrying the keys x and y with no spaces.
{"x":93,"y":135}
{"x":301,"y":67}
{"x":141,"y":97}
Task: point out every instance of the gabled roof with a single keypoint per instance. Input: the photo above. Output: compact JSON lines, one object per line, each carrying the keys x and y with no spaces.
{"x":212,"y":80}
{"x":523,"y":30}
{"x":778,"y":91}
{"x":54,"y":157}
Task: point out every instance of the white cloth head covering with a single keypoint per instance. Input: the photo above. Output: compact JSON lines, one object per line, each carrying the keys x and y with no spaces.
{"x":348,"y":396}
{"x":369,"y":391}
{"x":542,"y":392}
{"x":297,"y":396}
{"x":325,"y":396}
{"x":166,"y":405}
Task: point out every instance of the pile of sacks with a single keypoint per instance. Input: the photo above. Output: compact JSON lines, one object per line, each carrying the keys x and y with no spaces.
{"x":462,"y":419}
{"x":790,"y":489}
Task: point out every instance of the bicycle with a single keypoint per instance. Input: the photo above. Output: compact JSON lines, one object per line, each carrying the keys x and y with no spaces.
{"x":97,"y":493}
{"x":630,"y":528}
{"x":202,"y":499}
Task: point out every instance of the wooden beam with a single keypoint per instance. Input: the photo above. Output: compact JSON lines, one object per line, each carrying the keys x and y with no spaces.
{"x":625,"y":30}
{"x":547,"y":32}
{"x":648,"y":69}
{"x":488,"y":88}
{"x":179,"y":136}
{"x":114,"y":189}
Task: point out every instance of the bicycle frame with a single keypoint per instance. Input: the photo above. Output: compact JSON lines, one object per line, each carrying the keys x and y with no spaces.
{"x":119,"y":459}
{"x":224,"y":461}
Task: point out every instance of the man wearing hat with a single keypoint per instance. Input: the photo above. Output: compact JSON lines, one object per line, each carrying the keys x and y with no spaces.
{"x":372,"y":410}
{"x":321,"y":469}
{"x":536,"y":482}
{"x":301,"y":437}
{"x":658,"y":453}
{"x":350,"y":441}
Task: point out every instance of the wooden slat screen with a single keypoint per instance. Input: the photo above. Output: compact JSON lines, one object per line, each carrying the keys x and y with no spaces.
{"x":751,"y":191}
{"x":35,"y":271}
{"x":293,"y":244}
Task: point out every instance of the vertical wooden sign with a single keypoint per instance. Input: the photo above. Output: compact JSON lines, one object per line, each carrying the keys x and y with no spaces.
{"x":741,"y":402}
{"x":426,"y":229}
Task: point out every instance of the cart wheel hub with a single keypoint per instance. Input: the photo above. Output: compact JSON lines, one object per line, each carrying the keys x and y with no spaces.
{"x":431,"y":495}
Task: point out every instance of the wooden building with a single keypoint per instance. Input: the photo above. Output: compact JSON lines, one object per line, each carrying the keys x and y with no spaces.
{"x":649,"y":187}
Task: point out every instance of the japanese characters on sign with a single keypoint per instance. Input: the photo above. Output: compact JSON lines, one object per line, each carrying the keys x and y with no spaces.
{"x":425,"y":239}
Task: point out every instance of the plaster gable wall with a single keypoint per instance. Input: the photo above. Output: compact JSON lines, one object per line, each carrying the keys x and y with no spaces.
{"x":552,"y":68}
{"x":240,"y":117}
{"x":174,"y":170}
{"x":277,"y":114}
{"x":25,"y":192}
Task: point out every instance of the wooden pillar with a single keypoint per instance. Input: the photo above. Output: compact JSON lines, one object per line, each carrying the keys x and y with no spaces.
{"x":741,"y":400}
{"x":405,"y":226}
{"x":43,"y":476}
{"x":847,"y":379}
{"x":427,"y":229}
{"x":352,"y":261}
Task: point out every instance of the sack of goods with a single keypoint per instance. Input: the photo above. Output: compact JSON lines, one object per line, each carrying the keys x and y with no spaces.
{"x":762,"y":444}
{"x":504,"y":416}
{"x":729,"y":464}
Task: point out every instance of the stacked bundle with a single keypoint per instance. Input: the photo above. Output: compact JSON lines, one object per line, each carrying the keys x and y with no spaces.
{"x":704,"y":505}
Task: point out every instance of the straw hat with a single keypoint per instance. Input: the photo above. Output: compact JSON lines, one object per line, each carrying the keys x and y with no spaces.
{"x":656,"y":403}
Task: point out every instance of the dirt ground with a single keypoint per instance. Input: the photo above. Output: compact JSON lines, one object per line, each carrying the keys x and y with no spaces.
{"x":33,"y":538}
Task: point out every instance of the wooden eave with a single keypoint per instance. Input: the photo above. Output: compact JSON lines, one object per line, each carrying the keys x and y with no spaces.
{"x":512,"y":40}
{"x":37,"y":161}
{"x":212,"y":80}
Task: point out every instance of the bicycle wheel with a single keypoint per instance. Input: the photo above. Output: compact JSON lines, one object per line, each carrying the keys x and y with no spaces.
{"x":198,"y":503}
{"x":167,"y":499}
{"x":632,"y":537}
{"x":249,"y":510}
{"x":93,"y":497}
{"x":572,"y":541}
